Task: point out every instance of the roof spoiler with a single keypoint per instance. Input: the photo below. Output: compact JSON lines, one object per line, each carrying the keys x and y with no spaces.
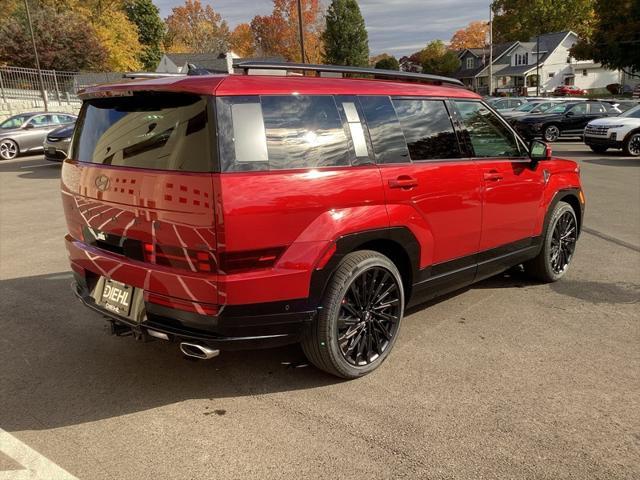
{"x":319,"y":69}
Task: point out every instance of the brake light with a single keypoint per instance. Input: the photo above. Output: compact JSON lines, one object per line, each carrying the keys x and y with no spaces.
{"x":202,"y":261}
{"x":234,"y":262}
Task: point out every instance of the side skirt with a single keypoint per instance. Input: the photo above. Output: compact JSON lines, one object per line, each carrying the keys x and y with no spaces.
{"x":447,"y":277}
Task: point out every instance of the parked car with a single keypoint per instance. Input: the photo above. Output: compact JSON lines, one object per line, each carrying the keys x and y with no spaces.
{"x":56,"y":144}
{"x":621,"y":132}
{"x":529,"y":108}
{"x":568,"y":90}
{"x":25,"y":133}
{"x":506,"y":104}
{"x":226,"y":212}
{"x":565,"y":119}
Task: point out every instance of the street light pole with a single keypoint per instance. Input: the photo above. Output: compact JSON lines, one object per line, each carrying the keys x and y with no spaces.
{"x":35,"y":52}
{"x":490,"y":48}
{"x":538,"y":65}
{"x":301,"y":31}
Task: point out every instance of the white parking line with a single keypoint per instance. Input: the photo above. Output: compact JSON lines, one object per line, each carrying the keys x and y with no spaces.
{"x":36,"y":466}
{"x":38,"y":165}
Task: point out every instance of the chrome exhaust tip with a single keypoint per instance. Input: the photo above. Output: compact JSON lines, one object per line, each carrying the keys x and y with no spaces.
{"x":198,"y":351}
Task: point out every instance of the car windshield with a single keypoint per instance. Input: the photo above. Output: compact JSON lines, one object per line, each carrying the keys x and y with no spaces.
{"x":558,"y":108}
{"x":632,"y":113}
{"x":14,"y":122}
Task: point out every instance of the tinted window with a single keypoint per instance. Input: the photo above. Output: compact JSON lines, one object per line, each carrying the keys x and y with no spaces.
{"x":280,"y":132}
{"x":39,"y":120}
{"x":159,"y":131}
{"x":579,"y":109}
{"x":14,"y":122}
{"x":488,"y":136}
{"x":388,"y":141}
{"x":427,"y":129}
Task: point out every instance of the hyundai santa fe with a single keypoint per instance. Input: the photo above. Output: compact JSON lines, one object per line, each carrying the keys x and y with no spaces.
{"x":247,"y":211}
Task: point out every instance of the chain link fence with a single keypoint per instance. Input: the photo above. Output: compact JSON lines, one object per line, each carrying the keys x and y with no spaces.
{"x":17,"y":83}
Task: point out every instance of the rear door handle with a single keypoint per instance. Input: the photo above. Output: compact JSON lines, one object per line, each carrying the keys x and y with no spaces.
{"x":403,"y":181}
{"x":493,"y":176}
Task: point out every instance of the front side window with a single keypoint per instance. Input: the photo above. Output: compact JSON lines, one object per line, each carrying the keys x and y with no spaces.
{"x":427,"y":129}
{"x":597,"y":108}
{"x":165,"y":131}
{"x":485,"y":132}
{"x":275,"y":132}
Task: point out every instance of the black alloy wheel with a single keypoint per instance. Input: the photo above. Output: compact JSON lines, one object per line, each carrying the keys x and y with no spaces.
{"x":369,"y":316}
{"x":563,"y":242}
{"x":558,"y":245}
{"x":360,"y":317}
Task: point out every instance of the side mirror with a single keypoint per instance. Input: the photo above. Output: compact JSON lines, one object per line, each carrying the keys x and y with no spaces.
{"x":539,"y":151}
{"x":569,"y":114}
{"x":28,"y":126}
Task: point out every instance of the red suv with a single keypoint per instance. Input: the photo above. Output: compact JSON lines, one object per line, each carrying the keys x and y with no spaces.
{"x":244,"y":211}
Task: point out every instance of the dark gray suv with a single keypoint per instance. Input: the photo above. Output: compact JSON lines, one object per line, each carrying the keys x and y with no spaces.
{"x":25,"y":133}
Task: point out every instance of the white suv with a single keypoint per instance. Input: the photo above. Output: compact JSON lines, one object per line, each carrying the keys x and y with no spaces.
{"x":622,"y":132}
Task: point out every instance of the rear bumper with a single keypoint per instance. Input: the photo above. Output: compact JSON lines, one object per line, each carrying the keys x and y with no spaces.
{"x":234,"y":328}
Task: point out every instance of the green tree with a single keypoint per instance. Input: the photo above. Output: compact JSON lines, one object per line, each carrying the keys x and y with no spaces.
{"x":523,"y":19}
{"x":436,"y":59}
{"x":146,"y":16}
{"x":616,"y":37}
{"x":388,"y":63}
{"x":65,"y":41}
{"x":345,"y":38}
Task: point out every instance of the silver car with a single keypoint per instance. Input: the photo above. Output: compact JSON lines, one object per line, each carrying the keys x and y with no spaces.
{"x":25,"y":133}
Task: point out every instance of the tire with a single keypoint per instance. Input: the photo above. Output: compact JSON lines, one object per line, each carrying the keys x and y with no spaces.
{"x":8,"y":149}
{"x":368,"y":329}
{"x":632,"y":145}
{"x":551,"y":133}
{"x":598,"y":148}
{"x":558,"y":245}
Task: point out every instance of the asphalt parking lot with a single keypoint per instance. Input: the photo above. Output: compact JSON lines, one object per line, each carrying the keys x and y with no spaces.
{"x":507,"y":379}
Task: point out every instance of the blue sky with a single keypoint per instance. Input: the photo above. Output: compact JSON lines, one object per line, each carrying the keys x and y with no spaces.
{"x":398,"y":27}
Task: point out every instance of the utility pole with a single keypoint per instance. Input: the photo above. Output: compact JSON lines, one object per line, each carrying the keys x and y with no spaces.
{"x":35,"y":52}
{"x":538,"y":65}
{"x":301,"y":31}
{"x":491,"y":49}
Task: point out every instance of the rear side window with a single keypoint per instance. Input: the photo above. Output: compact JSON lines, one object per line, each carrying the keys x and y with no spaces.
{"x":427,"y":129}
{"x":389,"y":145}
{"x":275,"y":132}
{"x":158,"y":131}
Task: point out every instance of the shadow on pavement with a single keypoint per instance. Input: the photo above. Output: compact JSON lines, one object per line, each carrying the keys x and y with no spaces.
{"x":35,"y":169}
{"x":615,"y":162}
{"x":60,"y":367}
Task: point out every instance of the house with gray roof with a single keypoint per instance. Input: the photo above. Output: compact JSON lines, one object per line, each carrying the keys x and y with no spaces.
{"x":518,"y":65}
{"x":222,"y":62}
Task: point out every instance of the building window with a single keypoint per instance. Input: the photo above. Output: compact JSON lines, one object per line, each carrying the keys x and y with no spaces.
{"x":526,"y":58}
{"x":568,"y":59}
{"x":551,"y":75}
{"x":584,"y":72}
{"x":469,"y":63}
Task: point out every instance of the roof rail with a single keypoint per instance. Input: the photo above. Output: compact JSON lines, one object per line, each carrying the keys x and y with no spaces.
{"x":318,"y":69}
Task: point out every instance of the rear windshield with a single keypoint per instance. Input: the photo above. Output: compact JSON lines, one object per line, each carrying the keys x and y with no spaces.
{"x":164,"y":131}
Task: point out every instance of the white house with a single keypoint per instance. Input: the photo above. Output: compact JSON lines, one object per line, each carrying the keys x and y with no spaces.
{"x":221,"y":62}
{"x":516,"y":67}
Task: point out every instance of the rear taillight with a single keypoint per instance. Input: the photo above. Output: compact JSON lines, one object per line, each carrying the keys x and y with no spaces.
{"x":235,"y":262}
{"x":202,"y":261}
